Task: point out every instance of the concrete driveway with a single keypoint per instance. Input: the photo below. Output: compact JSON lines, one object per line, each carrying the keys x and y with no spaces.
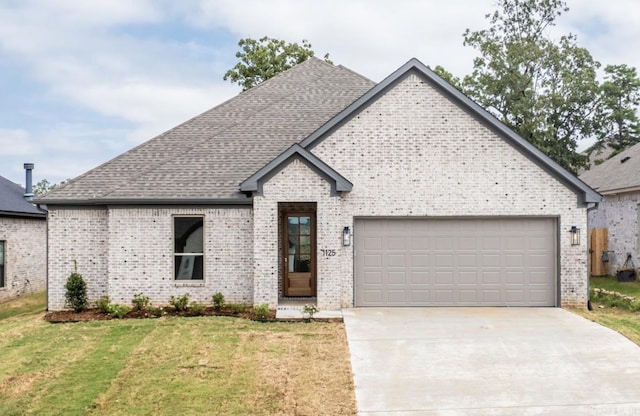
{"x":489,"y":361}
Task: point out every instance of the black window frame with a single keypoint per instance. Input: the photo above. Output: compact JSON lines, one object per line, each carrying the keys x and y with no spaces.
{"x":180,"y":267}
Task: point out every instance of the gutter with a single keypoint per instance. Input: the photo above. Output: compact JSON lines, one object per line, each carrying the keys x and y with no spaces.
{"x":146,"y":201}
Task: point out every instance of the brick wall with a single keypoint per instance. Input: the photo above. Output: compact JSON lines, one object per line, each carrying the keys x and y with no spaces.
{"x":77,"y":236}
{"x":414,"y":153}
{"x":25,"y":256}
{"x":619,"y":214}
{"x":135,"y":249}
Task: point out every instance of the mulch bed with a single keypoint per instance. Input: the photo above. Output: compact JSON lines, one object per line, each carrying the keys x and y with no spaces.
{"x":96,"y":315}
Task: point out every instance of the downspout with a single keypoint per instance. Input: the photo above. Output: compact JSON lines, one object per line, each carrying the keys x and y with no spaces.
{"x":590,"y":206}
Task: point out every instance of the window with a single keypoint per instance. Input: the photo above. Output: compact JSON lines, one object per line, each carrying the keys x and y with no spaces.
{"x":2,"y":244}
{"x":188,"y":248}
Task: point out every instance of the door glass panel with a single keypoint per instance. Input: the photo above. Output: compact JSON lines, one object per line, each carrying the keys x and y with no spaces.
{"x":293,"y":225}
{"x":299,"y":246}
{"x":305,"y":245}
{"x":305,"y":226}
{"x":303,"y":263}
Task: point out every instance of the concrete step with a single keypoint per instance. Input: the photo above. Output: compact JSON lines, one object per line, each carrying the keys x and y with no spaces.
{"x":295,"y":312}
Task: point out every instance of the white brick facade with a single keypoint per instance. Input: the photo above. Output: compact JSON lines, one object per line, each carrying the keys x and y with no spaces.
{"x":414,"y":153}
{"x":124,"y":251}
{"x":25,"y":255}
{"x":619,"y":214}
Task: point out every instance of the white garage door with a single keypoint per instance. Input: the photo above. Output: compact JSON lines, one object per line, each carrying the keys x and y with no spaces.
{"x":455,"y":262}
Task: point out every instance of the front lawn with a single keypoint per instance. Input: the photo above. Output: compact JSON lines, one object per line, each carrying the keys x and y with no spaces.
{"x":170,"y":365}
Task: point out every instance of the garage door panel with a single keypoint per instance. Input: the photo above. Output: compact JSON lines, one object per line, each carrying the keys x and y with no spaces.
{"x":397,"y":278}
{"x":419,"y":277}
{"x":488,"y":262}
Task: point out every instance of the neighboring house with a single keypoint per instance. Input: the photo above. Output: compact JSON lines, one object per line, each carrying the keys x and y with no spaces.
{"x":321,"y":185}
{"x":23,"y":240}
{"x":618,"y":180}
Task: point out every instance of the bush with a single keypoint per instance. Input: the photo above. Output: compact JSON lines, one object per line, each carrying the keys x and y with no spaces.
{"x":196,"y":308}
{"x":261,"y":311}
{"x":238,"y":307}
{"x":218,"y":301}
{"x":310,"y":310}
{"x":76,"y":294}
{"x":104,"y":304}
{"x":153,"y":311}
{"x":119,"y":311}
{"x":140,"y":303}
{"x":180,"y":303}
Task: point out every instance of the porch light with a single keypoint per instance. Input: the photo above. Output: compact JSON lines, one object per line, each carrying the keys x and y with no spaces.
{"x":575,"y":236}
{"x":346,"y":236}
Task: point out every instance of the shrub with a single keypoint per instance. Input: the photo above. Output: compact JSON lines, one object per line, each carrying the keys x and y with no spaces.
{"x":196,"y":308}
{"x":261,"y":311}
{"x":104,"y":304}
{"x":153,"y":311}
{"x":238,"y":307}
{"x":310,"y":310}
{"x":140,"y":303}
{"x":180,"y":303}
{"x":218,"y":301}
{"x":76,"y":294}
{"x":119,"y":311}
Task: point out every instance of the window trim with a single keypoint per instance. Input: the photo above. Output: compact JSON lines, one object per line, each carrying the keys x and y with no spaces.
{"x":187,"y":282}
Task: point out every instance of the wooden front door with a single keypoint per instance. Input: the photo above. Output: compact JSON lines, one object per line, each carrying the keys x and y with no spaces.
{"x":299,"y":248}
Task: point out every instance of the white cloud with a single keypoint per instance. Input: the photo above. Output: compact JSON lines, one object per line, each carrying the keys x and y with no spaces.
{"x":84,"y":54}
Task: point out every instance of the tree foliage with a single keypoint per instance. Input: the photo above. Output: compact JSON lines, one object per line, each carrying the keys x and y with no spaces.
{"x":546,"y":91}
{"x":265,"y":58}
{"x":44,"y":186}
{"x":618,"y":123}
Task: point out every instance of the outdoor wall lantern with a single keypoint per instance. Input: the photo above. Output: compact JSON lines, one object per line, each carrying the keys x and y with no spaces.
{"x":575,"y":236}
{"x":346,"y":237}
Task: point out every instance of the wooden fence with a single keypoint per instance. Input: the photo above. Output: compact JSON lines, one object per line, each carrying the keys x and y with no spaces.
{"x":598,"y":244}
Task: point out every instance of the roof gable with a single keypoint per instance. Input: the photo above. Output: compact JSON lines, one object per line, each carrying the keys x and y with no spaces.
{"x":619,"y":174}
{"x":12,"y":202}
{"x":254,"y":183}
{"x":584,"y":192}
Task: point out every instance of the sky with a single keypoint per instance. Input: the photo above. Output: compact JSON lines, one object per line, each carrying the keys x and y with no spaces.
{"x":84,"y":81}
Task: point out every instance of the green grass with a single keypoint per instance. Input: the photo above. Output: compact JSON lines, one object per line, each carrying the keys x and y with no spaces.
{"x":23,"y":305}
{"x":619,"y":319}
{"x":611,"y":283}
{"x":625,"y":322}
{"x":168,"y":366}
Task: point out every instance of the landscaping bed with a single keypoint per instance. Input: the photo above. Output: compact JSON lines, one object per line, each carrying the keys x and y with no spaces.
{"x":95,"y":314}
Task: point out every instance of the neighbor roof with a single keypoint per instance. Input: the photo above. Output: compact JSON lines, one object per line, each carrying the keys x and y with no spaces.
{"x":615,"y":176}
{"x":205,"y":159}
{"x":12,"y":202}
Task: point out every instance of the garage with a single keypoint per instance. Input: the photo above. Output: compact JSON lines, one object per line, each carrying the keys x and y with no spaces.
{"x":456,"y":262}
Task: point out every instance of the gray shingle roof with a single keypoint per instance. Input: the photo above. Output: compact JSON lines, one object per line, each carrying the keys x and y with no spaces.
{"x":612,"y":176}
{"x":207,"y":157}
{"x":12,"y":202}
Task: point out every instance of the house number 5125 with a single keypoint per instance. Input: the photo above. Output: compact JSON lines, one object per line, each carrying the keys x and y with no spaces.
{"x":327,"y":252}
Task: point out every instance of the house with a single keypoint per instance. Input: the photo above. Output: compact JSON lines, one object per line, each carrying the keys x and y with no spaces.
{"x":23,"y":240}
{"x":320,"y":185}
{"x":618,"y":180}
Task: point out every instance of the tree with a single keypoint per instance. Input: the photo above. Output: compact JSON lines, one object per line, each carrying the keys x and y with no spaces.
{"x":544,"y":90}
{"x":45,"y":186}
{"x":265,"y":58}
{"x":618,"y":123}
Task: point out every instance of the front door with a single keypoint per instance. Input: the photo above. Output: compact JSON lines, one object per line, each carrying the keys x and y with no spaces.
{"x":299,"y":240}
